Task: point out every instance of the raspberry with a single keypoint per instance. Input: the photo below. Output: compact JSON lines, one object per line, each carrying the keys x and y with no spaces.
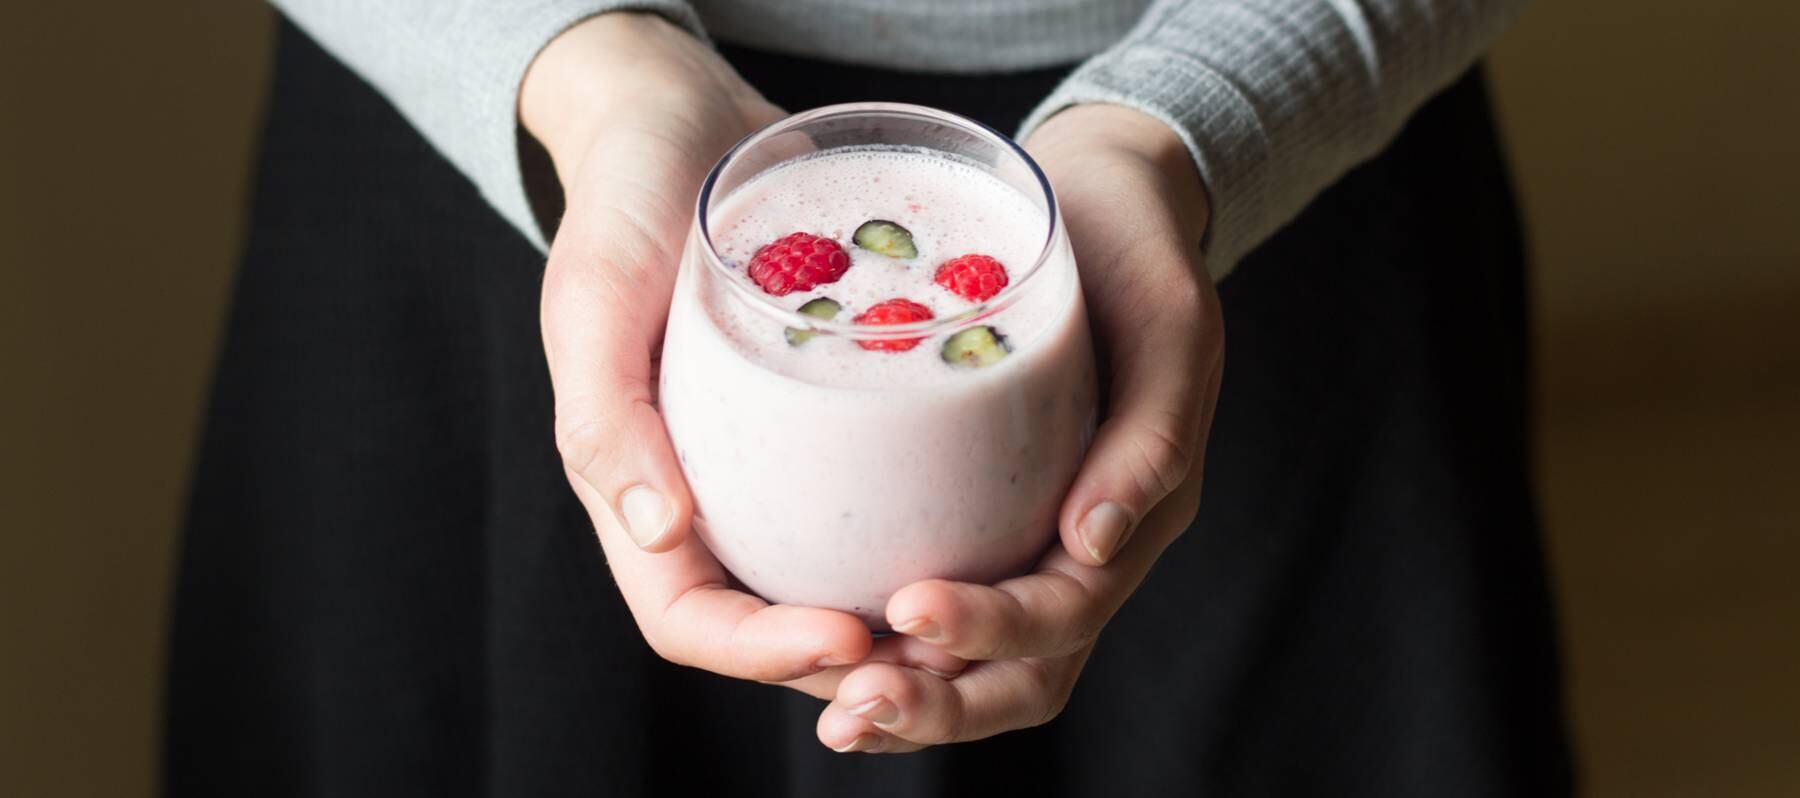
{"x":797,"y":262}
{"x":893,"y":311}
{"x":976,"y":278}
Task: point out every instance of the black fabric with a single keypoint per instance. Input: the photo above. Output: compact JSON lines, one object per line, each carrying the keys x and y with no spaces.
{"x":387,"y":589}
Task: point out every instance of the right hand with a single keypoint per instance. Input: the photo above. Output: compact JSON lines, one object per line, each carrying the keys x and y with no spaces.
{"x":634,"y":111}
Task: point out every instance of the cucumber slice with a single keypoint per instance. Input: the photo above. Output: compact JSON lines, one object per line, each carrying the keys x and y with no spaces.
{"x":887,"y":238}
{"x":824,"y":308}
{"x":975,"y":347}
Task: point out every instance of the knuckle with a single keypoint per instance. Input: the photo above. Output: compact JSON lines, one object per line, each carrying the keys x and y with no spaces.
{"x":1164,"y":459}
{"x":894,"y":683}
{"x":979,"y":625}
{"x":985,"y":646}
{"x":1187,"y":510}
{"x":952,"y":725}
{"x":1084,"y":631}
{"x":1052,"y":694}
{"x":661,"y":647}
{"x":581,"y":443}
{"x":590,"y":429}
{"x":1077,"y":617}
{"x":998,"y":634}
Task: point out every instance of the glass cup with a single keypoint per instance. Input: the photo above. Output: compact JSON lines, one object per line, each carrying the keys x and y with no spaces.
{"x":826,"y":490}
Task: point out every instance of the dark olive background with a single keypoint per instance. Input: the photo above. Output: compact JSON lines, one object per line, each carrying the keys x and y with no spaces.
{"x":1656,"y":144}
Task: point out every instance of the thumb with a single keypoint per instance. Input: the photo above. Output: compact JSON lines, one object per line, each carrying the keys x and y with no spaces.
{"x":603,"y":317}
{"x":1165,"y":383}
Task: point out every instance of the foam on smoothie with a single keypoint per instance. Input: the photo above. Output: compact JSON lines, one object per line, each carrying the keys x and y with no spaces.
{"x":951,"y":209}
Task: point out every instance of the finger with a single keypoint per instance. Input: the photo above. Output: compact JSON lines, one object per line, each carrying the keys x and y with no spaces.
{"x":846,"y":734}
{"x":897,"y":649}
{"x":988,"y":699}
{"x":1058,"y":609}
{"x":607,"y":427}
{"x":1163,"y":383}
{"x":1050,"y":612}
{"x":606,"y":296}
{"x":915,"y":653}
{"x":690,"y":617}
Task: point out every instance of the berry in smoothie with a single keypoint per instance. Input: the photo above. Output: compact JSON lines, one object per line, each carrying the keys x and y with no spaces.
{"x":977,"y":278}
{"x":893,"y":311}
{"x":797,"y":262}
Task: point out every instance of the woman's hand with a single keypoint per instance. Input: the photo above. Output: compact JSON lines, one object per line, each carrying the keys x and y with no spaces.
{"x":1135,"y":210}
{"x":633,"y":112}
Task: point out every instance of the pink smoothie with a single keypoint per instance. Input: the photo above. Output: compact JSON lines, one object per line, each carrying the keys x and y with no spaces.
{"x":828,"y":475}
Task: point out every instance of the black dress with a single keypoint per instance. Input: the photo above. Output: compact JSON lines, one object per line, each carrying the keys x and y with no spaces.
{"x":387,"y":588}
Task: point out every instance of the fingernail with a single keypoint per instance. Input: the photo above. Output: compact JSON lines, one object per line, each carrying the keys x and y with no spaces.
{"x":1104,"y":529}
{"x":646,"y":515}
{"x":863,"y":742}
{"x":923,"y":628}
{"x":878,"y":711}
{"x":940,"y":674}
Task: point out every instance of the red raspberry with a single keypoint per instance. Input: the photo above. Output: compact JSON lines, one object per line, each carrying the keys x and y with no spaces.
{"x":797,"y":262}
{"x":976,"y":278}
{"x":893,"y":311}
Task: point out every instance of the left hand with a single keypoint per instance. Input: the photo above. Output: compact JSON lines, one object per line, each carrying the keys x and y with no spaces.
{"x":1135,"y":209}
{"x":631,"y":153}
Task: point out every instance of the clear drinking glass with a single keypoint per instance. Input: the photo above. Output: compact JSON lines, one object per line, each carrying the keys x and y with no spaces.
{"x":829,"y":488}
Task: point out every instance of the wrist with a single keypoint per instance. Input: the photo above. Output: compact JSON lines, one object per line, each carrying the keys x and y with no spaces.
{"x":607,"y":62}
{"x":1086,"y":138}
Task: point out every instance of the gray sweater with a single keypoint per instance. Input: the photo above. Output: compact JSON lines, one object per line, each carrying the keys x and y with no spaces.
{"x":1275,"y":99}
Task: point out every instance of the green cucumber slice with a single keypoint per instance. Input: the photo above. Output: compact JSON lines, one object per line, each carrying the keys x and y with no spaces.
{"x":887,"y":238}
{"x":823,"y":308}
{"x":975,"y":347}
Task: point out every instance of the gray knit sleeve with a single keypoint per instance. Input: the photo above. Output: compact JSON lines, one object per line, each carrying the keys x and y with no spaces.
{"x":453,"y":69}
{"x":1277,"y":99}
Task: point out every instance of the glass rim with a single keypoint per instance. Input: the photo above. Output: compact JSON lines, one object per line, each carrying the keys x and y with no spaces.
{"x":876,"y":332}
